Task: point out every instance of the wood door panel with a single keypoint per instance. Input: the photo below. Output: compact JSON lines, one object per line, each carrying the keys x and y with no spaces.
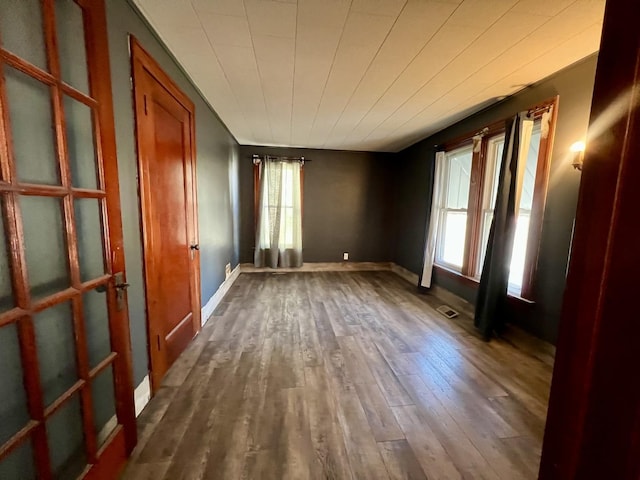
{"x":171,"y":266}
{"x":178,"y":339}
{"x":165,"y":131}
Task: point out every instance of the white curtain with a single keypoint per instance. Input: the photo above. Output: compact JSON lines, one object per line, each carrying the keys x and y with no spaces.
{"x":430,"y":248}
{"x":279,"y":233}
{"x":523,"y":153}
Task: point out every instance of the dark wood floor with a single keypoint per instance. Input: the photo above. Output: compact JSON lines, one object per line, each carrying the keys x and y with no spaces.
{"x":343,"y":376}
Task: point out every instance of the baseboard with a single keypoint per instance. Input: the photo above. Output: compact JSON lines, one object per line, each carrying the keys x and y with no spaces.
{"x":338,"y":267}
{"x":321,"y":267}
{"x":409,"y":276}
{"x":142,"y":395}
{"x":217,"y":297}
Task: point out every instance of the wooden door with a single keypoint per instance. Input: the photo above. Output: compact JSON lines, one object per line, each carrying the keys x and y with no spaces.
{"x":67,"y":406}
{"x":593,"y":424}
{"x":165,"y":135}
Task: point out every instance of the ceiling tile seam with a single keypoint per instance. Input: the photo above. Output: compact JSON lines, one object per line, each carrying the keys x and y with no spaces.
{"x":524,"y":40}
{"x":436,"y":74}
{"x":326,"y":80}
{"x":324,"y":143}
{"x":224,"y":73}
{"x":525,"y":66}
{"x":255,"y":58}
{"x":464,"y":80}
{"x":293,"y":80}
{"x":428,"y":134}
{"x":404,"y":70}
{"x":148,"y":19}
{"x":390,"y":134}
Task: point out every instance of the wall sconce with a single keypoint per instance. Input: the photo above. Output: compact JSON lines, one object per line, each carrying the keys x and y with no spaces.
{"x":577,"y":149}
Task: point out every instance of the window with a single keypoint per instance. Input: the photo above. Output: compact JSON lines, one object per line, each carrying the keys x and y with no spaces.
{"x":278,"y":211}
{"x":278,"y":205}
{"x":469,"y":184}
{"x":453,"y":215}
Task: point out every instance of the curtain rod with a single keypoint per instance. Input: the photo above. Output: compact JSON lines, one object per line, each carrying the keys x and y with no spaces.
{"x":541,"y":108}
{"x":258,"y":158}
{"x":533,"y":111}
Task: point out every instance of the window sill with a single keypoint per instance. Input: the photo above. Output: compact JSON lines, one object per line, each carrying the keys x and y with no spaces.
{"x":447,"y":272}
{"x":474,"y":283}
{"x":519,"y":299}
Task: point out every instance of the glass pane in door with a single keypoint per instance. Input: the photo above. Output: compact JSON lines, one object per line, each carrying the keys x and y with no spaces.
{"x":104,"y":405}
{"x":13,"y":406}
{"x":19,"y":464}
{"x":32,"y":130}
{"x":21,"y":30}
{"x":45,"y":245}
{"x":66,"y":441}
{"x":6,"y":290}
{"x":71,"y":45}
{"x":55,"y":340}
{"x":80,"y":143}
{"x":96,"y":320}
{"x":90,"y":246}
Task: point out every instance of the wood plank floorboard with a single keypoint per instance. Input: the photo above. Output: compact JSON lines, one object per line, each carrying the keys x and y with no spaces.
{"x":345,"y":375}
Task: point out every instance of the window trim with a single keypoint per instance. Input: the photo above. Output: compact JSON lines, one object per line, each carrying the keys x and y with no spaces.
{"x":474,"y":283}
{"x":476,"y":187}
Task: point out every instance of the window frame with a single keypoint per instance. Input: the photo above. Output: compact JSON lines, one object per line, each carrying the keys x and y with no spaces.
{"x":443,"y":212}
{"x":473,"y":237}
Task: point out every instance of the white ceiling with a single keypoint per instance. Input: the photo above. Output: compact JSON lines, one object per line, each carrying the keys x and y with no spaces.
{"x":366,"y":74}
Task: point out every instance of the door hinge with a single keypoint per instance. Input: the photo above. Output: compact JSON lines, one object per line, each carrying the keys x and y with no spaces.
{"x":145,"y":106}
{"x":158,"y":341}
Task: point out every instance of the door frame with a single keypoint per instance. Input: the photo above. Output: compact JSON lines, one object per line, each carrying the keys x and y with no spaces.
{"x":143,"y":63}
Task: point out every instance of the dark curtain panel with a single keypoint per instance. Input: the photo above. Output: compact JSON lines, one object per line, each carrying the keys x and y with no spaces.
{"x":494,"y":282}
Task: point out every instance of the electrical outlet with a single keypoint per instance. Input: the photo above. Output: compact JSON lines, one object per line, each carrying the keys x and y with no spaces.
{"x":227,"y":271}
{"x":345,"y":256}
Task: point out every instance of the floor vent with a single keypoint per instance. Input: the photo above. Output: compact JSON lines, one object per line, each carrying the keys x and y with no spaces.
{"x":447,"y":311}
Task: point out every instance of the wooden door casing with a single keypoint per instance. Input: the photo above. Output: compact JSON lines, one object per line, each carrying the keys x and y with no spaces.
{"x":165,"y":131}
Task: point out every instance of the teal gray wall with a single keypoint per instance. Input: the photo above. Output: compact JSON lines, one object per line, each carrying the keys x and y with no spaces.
{"x":574,"y":85}
{"x":217,"y":163}
{"x":347,"y":204}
